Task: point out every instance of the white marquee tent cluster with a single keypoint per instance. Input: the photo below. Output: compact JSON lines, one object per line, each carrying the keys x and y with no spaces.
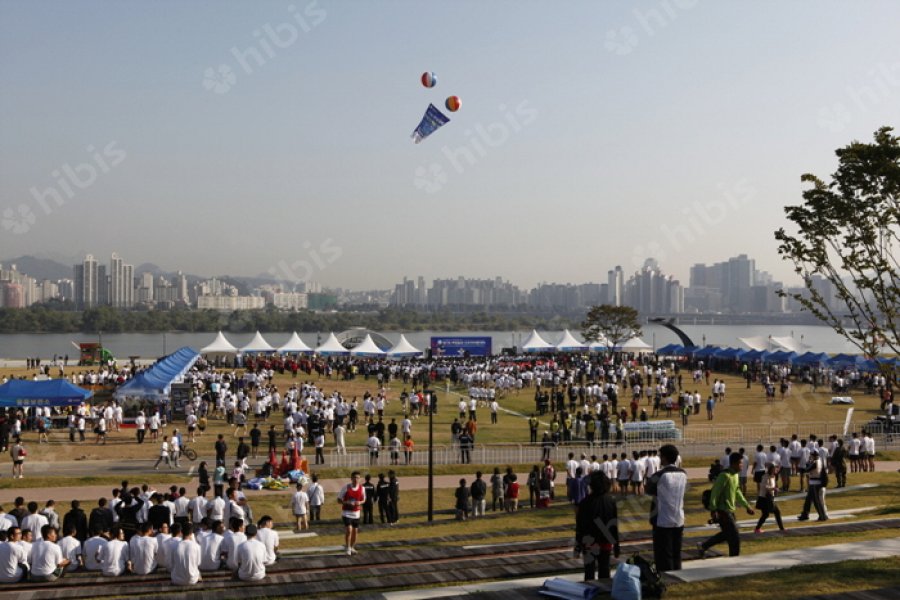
{"x":330,"y":347}
{"x":569,"y":343}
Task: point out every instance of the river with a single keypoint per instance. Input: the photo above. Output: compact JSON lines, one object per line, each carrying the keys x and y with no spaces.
{"x":152,"y":345}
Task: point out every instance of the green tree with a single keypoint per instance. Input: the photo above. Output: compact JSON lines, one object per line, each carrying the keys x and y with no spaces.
{"x":847,"y":234}
{"x":610,"y":324}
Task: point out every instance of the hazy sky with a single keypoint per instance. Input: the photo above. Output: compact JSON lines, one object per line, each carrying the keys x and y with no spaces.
{"x":246,"y":137}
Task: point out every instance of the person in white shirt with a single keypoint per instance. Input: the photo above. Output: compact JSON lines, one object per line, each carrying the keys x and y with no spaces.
{"x":163,"y":454}
{"x":185,"y":560}
{"x":211,"y":547}
{"x":197,"y":505}
{"x":169,"y":546}
{"x":300,"y":508}
{"x":623,"y":474}
{"x":71,"y":549}
{"x":234,"y":537}
{"x":143,"y":550}
{"x":667,"y":511}
{"x":115,"y":558}
{"x":13,"y":559}
{"x":269,"y":537}
{"x":34,"y":521}
{"x":869,"y":449}
{"x":47,"y":560}
{"x":215,"y":510}
{"x":93,"y":546}
{"x":638,"y":469}
{"x":251,"y":557}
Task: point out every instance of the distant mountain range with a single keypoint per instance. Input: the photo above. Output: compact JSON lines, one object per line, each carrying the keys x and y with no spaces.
{"x":39,"y":268}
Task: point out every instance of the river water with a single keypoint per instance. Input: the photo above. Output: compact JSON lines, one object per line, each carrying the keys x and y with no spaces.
{"x":152,"y":345}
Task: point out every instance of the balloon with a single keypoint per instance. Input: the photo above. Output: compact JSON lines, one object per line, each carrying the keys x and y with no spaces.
{"x":453,"y":103}
{"x":429,"y":80}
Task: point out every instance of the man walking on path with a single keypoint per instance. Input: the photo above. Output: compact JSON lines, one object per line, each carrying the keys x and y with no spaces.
{"x":351,"y":499}
{"x":724,"y":497}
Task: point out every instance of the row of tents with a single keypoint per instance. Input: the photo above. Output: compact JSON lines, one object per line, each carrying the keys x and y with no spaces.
{"x":330,"y":347}
{"x":403,"y":349}
{"x":811,"y":359}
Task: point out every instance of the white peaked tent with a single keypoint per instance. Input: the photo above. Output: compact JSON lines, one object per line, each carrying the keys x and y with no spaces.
{"x":294,"y":345}
{"x":332,"y":347}
{"x":535,"y":343}
{"x":568,"y":343}
{"x":404,"y":348}
{"x":367,"y":347}
{"x":600,"y":345}
{"x":220,"y":345}
{"x":635,"y":344}
{"x":258,"y":344}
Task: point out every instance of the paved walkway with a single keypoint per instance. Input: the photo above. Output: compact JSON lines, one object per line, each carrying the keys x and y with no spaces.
{"x":715,"y":568}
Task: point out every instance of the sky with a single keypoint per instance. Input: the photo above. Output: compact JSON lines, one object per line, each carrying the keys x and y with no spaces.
{"x":224,"y":137}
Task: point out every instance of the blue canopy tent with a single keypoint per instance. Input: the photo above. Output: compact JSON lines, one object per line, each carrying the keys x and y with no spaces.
{"x":156,"y":382}
{"x":752,"y":355}
{"x":51,"y":392}
{"x":671,"y":350}
{"x":812,"y":358}
{"x":729,"y":353}
{"x":706,"y":352}
{"x":782,"y":356}
{"x":849,"y":361}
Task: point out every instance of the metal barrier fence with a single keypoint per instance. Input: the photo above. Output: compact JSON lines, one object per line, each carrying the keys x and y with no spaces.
{"x":711,"y":445}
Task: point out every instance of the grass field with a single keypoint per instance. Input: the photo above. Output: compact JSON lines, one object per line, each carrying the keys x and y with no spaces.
{"x":742,"y":408}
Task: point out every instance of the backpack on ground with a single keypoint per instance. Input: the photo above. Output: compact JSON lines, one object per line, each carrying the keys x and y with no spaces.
{"x":652,"y":585}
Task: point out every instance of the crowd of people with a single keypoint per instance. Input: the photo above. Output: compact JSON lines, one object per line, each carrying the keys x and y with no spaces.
{"x":141,"y":531}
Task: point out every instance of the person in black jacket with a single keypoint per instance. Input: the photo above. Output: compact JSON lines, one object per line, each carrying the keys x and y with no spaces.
{"x":101,"y":516}
{"x":77,"y":519}
{"x":369,"y":501}
{"x":394,"y":507}
{"x":383,"y":493}
{"x":596,"y":529}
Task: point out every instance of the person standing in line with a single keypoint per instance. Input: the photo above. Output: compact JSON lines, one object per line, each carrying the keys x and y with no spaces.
{"x":838,"y":465}
{"x":596,"y":529}
{"x":667,"y":486}
{"x":368,"y":507}
{"x":725,"y":496}
{"x":478,"y":492}
{"x":316,"y":494}
{"x":462,"y":501}
{"x":300,"y":508}
{"x":765,"y":499}
{"x":351,"y":498}
{"x":394,"y":491}
{"x":140,"y":427}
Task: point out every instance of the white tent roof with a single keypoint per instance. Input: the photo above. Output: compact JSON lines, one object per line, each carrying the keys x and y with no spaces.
{"x":535,"y":343}
{"x":367,"y":347}
{"x":635,"y":344}
{"x":258,"y":344}
{"x":332,"y":346}
{"x":220,"y":345}
{"x":601,"y":345}
{"x":772,"y":343}
{"x":295,"y":344}
{"x":568,"y":342}
{"x":404,"y":348}
{"x":790,"y":344}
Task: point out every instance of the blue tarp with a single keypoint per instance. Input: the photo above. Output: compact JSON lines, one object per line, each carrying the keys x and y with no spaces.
{"x":156,"y":382}
{"x":52,"y":392}
{"x":729,"y":353}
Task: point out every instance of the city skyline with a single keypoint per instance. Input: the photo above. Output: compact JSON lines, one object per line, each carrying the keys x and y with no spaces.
{"x":732,"y":286}
{"x":276,"y":134}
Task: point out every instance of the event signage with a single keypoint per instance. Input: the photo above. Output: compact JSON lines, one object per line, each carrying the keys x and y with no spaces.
{"x":460,"y":347}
